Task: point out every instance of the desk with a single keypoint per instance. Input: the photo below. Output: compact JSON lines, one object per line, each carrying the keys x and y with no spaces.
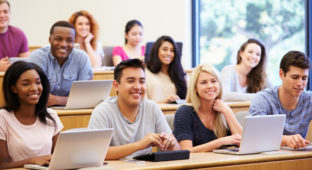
{"x":235,"y":106}
{"x":80,"y":118}
{"x":285,"y":160}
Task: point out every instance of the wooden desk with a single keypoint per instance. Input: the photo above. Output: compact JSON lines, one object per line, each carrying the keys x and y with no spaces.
{"x":235,"y":106}
{"x":74,"y":118}
{"x":80,"y":118}
{"x":285,"y":160}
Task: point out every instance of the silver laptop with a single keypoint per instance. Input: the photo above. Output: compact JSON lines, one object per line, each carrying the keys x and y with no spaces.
{"x":79,"y":149}
{"x":14,"y":59}
{"x":260,"y":134}
{"x":87,"y":94}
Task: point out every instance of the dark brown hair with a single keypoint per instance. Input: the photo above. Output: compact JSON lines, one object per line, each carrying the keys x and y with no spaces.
{"x":256,"y":78}
{"x":294,"y":58}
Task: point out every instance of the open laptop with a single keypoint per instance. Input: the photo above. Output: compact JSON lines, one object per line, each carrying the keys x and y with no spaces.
{"x":87,"y":94}
{"x":79,"y":149}
{"x":260,"y":134}
{"x":14,"y":59}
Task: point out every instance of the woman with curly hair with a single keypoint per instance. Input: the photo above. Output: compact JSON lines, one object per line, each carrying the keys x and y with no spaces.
{"x":87,"y":34}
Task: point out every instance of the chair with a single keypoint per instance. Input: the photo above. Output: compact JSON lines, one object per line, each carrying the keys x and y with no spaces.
{"x":108,"y":58}
{"x":149,"y":46}
{"x":240,"y":116}
{"x":170,"y":119}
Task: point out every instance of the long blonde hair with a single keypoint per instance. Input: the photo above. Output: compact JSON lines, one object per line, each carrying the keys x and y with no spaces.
{"x":193,"y":97}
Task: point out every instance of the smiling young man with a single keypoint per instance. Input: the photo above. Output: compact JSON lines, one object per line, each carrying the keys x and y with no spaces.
{"x":289,"y":98}
{"x":138,"y":123}
{"x":13,"y":42}
{"x":61,"y":62}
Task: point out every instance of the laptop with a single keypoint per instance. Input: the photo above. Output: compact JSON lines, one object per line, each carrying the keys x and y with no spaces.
{"x":14,"y":59}
{"x":260,"y":134}
{"x":87,"y":94}
{"x":79,"y":148}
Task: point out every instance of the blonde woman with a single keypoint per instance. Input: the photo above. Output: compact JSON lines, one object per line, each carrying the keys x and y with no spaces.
{"x":203,"y":125}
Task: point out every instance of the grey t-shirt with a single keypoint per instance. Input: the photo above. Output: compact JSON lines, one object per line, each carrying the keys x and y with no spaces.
{"x":150,"y":119}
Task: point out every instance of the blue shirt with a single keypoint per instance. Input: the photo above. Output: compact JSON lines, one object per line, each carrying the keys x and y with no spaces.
{"x":266,"y":102}
{"x":76,"y":67}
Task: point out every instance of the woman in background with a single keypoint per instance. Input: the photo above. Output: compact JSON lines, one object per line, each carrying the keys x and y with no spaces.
{"x":132,"y":48}
{"x":165,"y":77}
{"x":243,"y":80}
{"x":87,"y":35}
{"x":203,"y":125}
{"x":28,"y":130}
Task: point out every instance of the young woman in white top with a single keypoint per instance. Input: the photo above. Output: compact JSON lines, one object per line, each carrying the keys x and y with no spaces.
{"x":165,"y":77}
{"x":28,"y":130}
{"x":87,"y":36}
{"x":243,"y":80}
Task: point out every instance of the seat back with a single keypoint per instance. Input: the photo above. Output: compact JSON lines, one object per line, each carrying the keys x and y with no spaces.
{"x":108,"y":58}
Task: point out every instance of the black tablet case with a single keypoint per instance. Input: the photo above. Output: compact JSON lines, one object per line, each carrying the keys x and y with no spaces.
{"x":164,"y":156}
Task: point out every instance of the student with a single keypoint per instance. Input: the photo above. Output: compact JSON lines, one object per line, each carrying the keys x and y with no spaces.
{"x":138,"y":123}
{"x":202,"y":126}
{"x":87,"y":36}
{"x":165,"y":77}
{"x":243,"y":80}
{"x":290,"y":98}
{"x":28,"y":130}
{"x":132,"y":48}
{"x":61,"y":63}
{"x":13,"y":42}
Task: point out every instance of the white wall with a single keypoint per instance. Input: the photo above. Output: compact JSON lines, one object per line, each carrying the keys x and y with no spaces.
{"x":159,"y":17}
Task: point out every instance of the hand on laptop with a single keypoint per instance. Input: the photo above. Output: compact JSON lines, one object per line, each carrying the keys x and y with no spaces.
{"x":231,"y":140}
{"x":41,"y":160}
{"x":295,"y":141}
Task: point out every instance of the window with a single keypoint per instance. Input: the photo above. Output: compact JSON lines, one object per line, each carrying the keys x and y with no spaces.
{"x":226,"y":24}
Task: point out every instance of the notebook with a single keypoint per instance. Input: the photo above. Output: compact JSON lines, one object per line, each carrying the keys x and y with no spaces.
{"x":79,"y":149}
{"x":87,"y":94}
{"x":260,"y":134}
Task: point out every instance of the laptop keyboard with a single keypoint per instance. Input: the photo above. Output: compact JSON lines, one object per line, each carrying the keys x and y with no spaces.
{"x":233,"y":149}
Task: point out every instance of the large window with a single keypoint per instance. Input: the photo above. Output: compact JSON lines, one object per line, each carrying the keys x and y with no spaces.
{"x":225,"y":24}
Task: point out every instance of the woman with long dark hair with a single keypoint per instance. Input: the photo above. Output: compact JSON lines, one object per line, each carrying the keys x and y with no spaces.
{"x":28,"y":130}
{"x":165,"y":77}
{"x":247,"y":77}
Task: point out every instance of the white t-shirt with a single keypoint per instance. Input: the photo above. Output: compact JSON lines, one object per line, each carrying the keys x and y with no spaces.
{"x":26,"y":141}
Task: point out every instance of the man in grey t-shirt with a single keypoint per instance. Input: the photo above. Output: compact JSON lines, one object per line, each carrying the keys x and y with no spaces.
{"x":289,"y":98}
{"x":138,"y":123}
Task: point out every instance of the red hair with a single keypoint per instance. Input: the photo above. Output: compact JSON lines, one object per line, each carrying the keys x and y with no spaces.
{"x":94,"y":27}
